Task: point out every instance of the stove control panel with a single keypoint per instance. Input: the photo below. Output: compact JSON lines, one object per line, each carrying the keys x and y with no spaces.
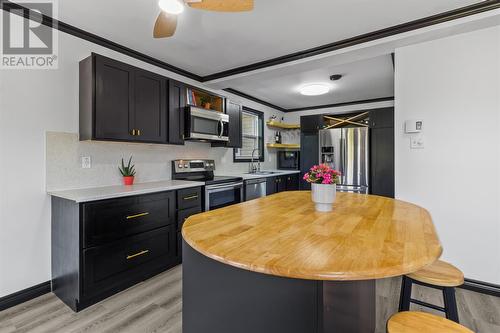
{"x":182,"y":166}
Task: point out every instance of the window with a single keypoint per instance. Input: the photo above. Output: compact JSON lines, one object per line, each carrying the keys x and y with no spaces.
{"x":252,"y":135}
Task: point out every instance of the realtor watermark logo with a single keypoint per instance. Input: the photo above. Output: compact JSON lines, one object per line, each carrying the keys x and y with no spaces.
{"x":27,"y":41}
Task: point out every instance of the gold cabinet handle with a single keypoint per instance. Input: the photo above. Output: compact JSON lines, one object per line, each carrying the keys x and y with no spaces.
{"x":191,"y":197}
{"x":138,"y":132}
{"x":137,"y":215}
{"x":137,"y":254}
{"x":132,"y":132}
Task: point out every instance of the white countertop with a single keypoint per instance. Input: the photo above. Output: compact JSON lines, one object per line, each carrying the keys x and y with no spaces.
{"x":109,"y":192}
{"x":255,"y":176}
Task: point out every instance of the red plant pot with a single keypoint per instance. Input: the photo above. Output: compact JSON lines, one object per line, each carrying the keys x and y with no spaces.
{"x":128,"y":180}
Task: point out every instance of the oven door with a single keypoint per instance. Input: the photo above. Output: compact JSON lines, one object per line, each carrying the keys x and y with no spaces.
{"x":208,"y":125}
{"x":221,"y":195}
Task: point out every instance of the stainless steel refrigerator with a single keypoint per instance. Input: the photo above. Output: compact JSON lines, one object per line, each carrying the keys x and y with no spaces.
{"x":347,"y":150}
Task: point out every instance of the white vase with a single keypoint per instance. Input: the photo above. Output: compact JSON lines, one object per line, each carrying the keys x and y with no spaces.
{"x":323,"y":195}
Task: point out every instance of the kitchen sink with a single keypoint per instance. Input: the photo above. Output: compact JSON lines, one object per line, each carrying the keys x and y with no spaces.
{"x":262,"y":173}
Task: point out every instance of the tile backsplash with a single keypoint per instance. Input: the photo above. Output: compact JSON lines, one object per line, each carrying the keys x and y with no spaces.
{"x":153,"y":161}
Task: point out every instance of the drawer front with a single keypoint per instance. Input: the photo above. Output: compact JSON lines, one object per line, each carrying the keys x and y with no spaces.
{"x":110,"y":220}
{"x":114,"y":265}
{"x":182,"y":215}
{"x":189,"y":198}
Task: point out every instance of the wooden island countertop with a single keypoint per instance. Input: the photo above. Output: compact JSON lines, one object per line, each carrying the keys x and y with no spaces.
{"x":364,"y":237}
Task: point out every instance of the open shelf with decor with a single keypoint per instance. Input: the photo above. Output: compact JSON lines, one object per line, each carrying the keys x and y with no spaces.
{"x":203,"y":99}
{"x":283,"y":145}
{"x":277,"y":124}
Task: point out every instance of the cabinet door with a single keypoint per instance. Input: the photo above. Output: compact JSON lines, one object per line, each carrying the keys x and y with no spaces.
{"x":309,"y":155}
{"x":281,"y":183}
{"x":292,"y":182}
{"x":382,"y":161}
{"x":380,"y":118}
{"x":150,"y":107}
{"x":176,"y":110}
{"x":234,"y":112}
{"x":271,"y":185}
{"x":113,"y":100}
{"x":311,"y":123}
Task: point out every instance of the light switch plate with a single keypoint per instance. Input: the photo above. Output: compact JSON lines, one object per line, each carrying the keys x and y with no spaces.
{"x":86,"y":162}
{"x":417,"y":142}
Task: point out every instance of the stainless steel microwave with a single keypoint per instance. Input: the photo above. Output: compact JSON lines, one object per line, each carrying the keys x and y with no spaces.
{"x":206,"y":125}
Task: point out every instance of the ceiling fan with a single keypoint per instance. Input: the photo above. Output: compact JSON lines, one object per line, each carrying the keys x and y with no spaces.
{"x":166,"y":23}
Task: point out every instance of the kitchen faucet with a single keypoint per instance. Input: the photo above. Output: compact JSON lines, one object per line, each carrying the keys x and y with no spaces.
{"x":254,"y":169}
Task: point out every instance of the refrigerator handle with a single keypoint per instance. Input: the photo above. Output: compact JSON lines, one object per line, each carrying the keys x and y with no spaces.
{"x":342,"y":158}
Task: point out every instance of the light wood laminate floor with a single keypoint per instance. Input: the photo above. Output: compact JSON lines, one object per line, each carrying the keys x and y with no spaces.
{"x":155,"y":306}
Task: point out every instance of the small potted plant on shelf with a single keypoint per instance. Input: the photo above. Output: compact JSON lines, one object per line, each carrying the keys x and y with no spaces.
{"x":206,"y":102}
{"x":324,"y":182}
{"x":128,"y":172}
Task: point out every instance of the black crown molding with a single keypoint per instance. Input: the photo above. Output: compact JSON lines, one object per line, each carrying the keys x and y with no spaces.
{"x":368,"y":37}
{"x":88,"y":36}
{"x":255,"y":99}
{"x":324,"y":106}
{"x":405,"y":27}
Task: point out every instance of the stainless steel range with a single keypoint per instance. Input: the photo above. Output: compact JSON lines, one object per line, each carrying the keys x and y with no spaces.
{"x":220,"y":191}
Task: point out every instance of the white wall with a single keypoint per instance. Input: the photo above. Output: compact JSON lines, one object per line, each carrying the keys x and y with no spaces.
{"x":453,"y":85}
{"x":33,"y":102}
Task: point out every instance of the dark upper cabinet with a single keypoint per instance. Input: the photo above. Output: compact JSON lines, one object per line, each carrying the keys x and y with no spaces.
{"x":176,"y":112}
{"x":120,"y":102}
{"x":380,"y":118}
{"x":150,"y":107}
{"x":113,"y":116}
{"x":312,"y":123}
{"x":233,"y":110}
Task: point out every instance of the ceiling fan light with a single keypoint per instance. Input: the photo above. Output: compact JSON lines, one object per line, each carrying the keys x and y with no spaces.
{"x":171,"y":6}
{"x":314,"y":89}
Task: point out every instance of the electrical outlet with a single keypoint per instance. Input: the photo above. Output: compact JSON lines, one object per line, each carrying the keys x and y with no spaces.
{"x":86,"y":162}
{"x":416,"y":142}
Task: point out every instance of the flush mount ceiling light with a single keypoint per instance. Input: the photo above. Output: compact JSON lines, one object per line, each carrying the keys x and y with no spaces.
{"x":171,"y":6}
{"x":314,"y":89}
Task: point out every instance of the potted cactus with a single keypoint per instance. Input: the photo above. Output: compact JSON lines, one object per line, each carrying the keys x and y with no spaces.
{"x":128,"y":172}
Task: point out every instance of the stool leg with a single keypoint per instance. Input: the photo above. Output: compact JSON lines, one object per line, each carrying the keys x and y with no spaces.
{"x":450,"y":304}
{"x":405,"y":295}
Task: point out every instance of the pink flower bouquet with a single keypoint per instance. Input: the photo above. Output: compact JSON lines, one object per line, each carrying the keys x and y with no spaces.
{"x":322,"y":174}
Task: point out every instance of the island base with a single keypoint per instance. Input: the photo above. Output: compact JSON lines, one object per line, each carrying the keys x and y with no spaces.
{"x":219,"y":298}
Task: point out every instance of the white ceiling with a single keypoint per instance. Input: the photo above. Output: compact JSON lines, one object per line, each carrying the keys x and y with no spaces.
{"x":362,"y":80}
{"x":208,"y":42}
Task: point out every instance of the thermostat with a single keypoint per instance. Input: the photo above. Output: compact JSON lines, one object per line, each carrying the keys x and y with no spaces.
{"x":413,"y":126}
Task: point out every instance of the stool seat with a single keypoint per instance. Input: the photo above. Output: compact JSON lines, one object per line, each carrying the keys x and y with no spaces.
{"x":421,"y":322}
{"x":439,"y":273}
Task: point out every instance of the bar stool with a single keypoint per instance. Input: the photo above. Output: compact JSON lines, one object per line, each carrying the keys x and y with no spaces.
{"x":439,"y":275}
{"x":422,"y":322}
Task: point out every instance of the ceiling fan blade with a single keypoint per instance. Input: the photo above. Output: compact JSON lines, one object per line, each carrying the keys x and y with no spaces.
{"x":165,"y":25}
{"x":222,"y":5}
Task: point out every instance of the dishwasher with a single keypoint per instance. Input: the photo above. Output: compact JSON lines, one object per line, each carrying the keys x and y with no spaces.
{"x":255,"y":188}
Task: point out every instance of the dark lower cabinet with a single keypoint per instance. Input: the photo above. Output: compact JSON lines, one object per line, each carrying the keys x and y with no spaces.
{"x":292,"y":182}
{"x":282,"y":183}
{"x":176,"y":112}
{"x":102,"y":247}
